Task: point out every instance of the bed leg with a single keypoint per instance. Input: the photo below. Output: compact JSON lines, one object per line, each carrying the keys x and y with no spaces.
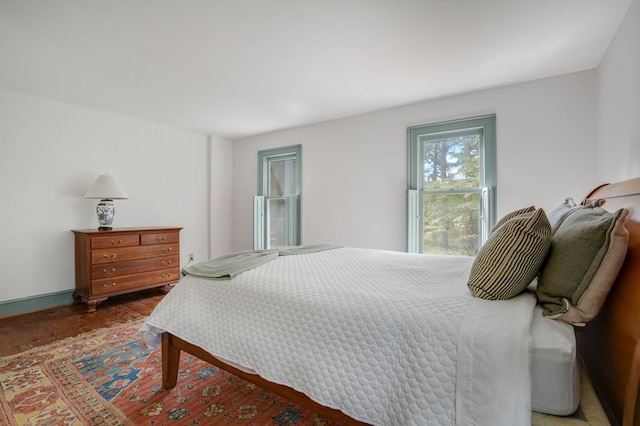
{"x":170,"y":362}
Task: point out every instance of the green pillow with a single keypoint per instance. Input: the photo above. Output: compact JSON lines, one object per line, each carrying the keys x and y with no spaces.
{"x":510,"y":259}
{"x":587,"y":252}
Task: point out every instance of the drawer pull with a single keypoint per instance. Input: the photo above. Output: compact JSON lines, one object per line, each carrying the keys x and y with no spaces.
{"x":166,"y":250}
{"x":107,"y":285}
{"x":116,"y":243}
{"x":106,"y":256}
{"x":166,"y":262}
{"x":165,"y":276}
{"x":159,"y":239}
{"x":108,"y":272}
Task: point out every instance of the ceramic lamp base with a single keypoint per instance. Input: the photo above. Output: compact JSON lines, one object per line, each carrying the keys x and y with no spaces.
{"x":105,"y":211}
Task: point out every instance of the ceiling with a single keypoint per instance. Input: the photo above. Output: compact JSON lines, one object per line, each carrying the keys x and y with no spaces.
{"x":236,"y":68}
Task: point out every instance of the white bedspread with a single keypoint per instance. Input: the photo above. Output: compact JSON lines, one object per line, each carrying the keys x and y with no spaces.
{"x":372,"y":333}
{"x":494,"y":381}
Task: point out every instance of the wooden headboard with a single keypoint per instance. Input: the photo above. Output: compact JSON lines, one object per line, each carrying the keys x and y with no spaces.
{"x":609,"y":346}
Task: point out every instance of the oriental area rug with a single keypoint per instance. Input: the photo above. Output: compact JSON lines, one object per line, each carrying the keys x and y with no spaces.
{"x":110,"y":377}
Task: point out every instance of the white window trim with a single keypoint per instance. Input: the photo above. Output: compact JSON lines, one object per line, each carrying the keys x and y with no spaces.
{"x":293,"y":201}
{"x":415,"y":141}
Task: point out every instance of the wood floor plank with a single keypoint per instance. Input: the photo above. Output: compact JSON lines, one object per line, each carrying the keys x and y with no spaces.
{"x":22,"y":332}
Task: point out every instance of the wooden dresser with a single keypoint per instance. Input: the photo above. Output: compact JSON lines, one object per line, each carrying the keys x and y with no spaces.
{"x":124,"y":260}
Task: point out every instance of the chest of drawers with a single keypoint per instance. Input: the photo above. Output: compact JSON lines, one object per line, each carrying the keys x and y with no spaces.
{"x":124,"y":260}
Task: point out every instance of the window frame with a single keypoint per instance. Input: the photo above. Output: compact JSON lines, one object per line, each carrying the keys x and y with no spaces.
{"x":417,"y":136}
{"x":261,"y":200}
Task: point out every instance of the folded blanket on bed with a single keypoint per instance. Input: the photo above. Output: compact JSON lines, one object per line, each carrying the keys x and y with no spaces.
{"x":231,"y":265}
{"x":309,"y":248}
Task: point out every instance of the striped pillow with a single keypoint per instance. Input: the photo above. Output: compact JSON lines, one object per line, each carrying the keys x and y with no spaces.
{"x":510,"y":259}
{"x":510,"y":216}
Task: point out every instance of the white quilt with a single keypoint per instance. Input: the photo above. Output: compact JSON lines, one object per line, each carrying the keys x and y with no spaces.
{"x":372,"y":333}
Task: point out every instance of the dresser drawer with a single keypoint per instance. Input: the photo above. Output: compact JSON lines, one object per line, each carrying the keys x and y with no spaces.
{"x":159,"y":238}
{"x":131,"y":253}
{"x":108,"y":270}
{"x":115,"y":241}
{"x":127,"y":282}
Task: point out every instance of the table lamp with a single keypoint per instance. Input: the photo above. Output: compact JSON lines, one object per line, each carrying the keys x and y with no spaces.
{"x":106,"y":188}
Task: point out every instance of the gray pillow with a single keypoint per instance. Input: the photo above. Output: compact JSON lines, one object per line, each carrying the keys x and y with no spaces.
{"x":510,"y":259}
{"x":560,"y":213}
{"x":586,"y":254}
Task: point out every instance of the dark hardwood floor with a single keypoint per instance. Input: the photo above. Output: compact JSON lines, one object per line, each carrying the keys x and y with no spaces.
{"x":22,"y":332}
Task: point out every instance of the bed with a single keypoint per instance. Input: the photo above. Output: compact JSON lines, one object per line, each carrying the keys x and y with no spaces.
{"x":376,"y":353}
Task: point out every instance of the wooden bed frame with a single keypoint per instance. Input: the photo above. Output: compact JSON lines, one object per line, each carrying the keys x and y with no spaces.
{"x":172,"y":345}
{"x":609,"y":346}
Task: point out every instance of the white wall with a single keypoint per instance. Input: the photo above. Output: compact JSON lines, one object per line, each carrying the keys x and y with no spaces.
{"x":354,"y":169}
{"x":618,"y":94}
{"x":221,"y":196}
{"x":50,"y":153}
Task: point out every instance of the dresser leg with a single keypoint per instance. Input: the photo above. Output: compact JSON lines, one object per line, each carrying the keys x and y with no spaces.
{"x":93,"y":303}
{"x":166,"y":288}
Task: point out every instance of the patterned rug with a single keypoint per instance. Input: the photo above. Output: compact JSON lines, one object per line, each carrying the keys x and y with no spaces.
{"x":109,"y":377}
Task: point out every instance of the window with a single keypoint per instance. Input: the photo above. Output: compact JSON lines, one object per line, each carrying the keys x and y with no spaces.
{"x":276,"y":212}
{"x":451,"y":186}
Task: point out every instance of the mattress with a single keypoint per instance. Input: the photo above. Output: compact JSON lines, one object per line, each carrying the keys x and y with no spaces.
{"x":554,"y":366}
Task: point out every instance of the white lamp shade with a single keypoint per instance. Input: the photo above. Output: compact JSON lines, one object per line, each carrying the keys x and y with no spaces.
{"x":106,"y":187}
